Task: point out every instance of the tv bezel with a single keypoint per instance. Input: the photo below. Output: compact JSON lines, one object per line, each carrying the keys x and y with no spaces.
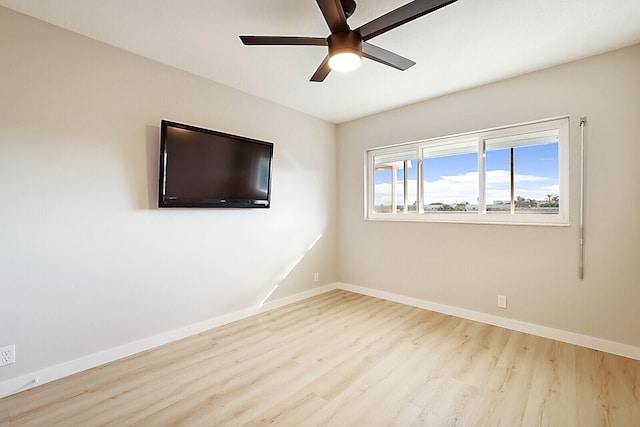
{"x":205,"y":202}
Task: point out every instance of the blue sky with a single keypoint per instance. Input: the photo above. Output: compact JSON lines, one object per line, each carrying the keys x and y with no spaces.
{"x":450,"y":179}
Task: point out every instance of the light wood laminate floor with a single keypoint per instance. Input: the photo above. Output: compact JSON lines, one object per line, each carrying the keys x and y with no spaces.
{"x":345,"y":359}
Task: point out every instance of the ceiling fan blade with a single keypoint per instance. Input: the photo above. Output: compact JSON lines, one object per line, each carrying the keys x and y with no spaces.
{"x":400,"y":16}
{"x":334,"y":15}
{"x":322,"y":72}
{"x":386,"y":57}
{"x":283,"y":40}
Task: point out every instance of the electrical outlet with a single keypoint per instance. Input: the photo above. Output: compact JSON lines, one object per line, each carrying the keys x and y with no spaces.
{"x":7,"y":355}
{"x":502,"y":301}
{"x":316,"y":277}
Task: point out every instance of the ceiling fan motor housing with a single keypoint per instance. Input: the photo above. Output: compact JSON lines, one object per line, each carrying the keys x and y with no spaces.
{"x":345,"y":42}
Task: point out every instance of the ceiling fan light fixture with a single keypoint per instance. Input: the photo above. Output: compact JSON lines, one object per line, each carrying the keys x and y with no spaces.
{"x":344,"y":61}
{"x":345,"y":51}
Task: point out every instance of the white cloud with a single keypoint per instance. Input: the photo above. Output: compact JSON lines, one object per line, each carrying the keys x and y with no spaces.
{"x":383,"y":192}
{"x":530,"y":178}
{"x":452,"y":189}
{"x":497,"y":177}
{"x":551,"y":189}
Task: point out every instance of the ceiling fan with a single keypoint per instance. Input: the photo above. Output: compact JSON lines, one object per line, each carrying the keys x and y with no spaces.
{"x":347,"y":46}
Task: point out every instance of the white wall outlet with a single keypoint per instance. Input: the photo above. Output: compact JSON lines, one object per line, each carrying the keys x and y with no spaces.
{"x":316,"y":277}
{"x":7,"y":355}
{"x":502,"y":301}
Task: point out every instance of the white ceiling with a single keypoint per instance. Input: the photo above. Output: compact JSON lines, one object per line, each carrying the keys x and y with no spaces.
{"x":466,"y":44}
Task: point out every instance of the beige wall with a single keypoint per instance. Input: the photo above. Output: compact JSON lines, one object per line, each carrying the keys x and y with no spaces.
{"x":87,"y":262}
{"x":467,"y":265}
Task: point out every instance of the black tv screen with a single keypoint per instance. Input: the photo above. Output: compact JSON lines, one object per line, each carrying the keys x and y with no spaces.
{"x":202,"y":168}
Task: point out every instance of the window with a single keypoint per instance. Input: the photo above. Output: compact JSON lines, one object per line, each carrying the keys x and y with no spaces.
{"x":396,"y":183}
{"x":450,"y":176}
{"x":531,"y":161}
{"x":515,"y":174}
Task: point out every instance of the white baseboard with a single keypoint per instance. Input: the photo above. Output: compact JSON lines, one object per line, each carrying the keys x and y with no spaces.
{"x":45,"y":375}
{"x":613,"y":347}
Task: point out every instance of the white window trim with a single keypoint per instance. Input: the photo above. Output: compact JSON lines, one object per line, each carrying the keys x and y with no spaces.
{"x":559,"y":219}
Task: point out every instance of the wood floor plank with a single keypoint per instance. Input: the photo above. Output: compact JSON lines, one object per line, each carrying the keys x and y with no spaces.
{"x":450,"y":403}
{"x":345,"y":359}
{"x":552,"y":399}
{"x":608,"y":389}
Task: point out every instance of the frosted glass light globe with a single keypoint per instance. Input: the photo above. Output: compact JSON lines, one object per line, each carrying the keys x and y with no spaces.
{"x":344,"y":61}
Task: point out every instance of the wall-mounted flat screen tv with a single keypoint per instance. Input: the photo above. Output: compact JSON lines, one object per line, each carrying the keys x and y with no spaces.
{"x":202,"y":168}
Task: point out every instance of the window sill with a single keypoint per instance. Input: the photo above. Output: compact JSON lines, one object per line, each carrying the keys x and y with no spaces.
{"x":494,"y":219}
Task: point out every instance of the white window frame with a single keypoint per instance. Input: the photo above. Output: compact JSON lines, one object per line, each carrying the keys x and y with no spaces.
{"x":480,"y":217}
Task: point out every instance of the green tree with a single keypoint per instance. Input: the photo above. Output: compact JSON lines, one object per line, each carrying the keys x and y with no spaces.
{"x":457,"y":207}
{"x":523,"y":203}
